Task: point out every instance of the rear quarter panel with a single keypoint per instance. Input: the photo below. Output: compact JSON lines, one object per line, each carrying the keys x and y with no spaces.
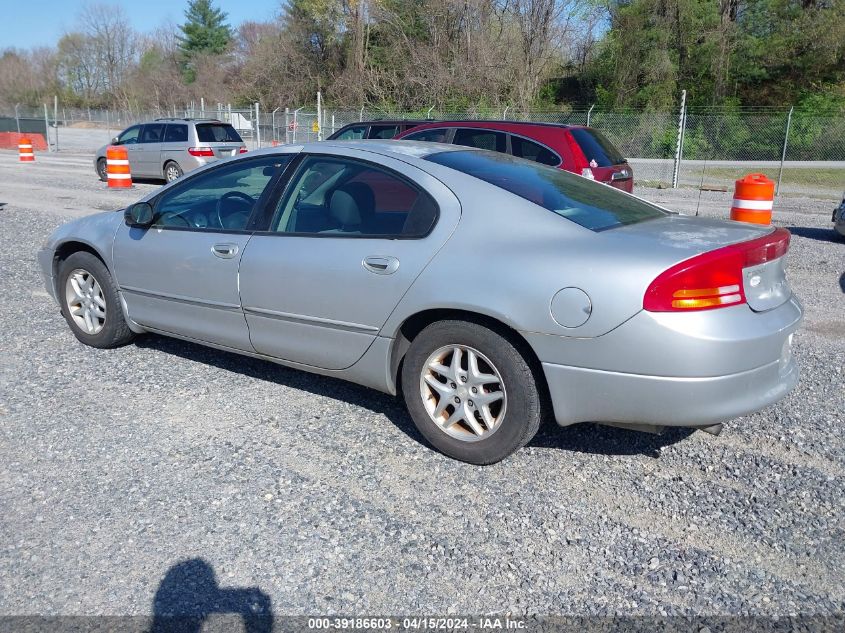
{"x":509,"y":257}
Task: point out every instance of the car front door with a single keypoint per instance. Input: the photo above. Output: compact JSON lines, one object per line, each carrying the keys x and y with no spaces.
{"x":180,"y":275}
{"x":345,"y":243}
{"x":150,"y":150}
{"x":130,"y":139}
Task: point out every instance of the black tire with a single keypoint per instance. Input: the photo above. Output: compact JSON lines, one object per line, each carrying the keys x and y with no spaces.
{"x":177,"y":170}
{"x":522,"y":415}
{"x":115,"y":332}
{"x":102,"y":170}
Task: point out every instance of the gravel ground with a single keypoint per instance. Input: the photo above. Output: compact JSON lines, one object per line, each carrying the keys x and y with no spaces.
{"x":132,"y":471}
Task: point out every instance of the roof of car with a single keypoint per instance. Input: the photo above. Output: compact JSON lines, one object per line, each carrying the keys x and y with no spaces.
{"x":179,"y":118}
{"x":391,"y":122}
{"x":416,"y":149}
{"x":475,"y":122}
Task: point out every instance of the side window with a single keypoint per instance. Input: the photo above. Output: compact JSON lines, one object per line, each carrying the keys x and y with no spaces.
{"x":383,"y":131}
{"x":152,"y":133}
{"x":176,"y":133}
{"x":345,"y":198}
{"x":352,"y":133}
{"x":129,"y":136}
{"x":482,"y":139}
{"x":524,"y":148}
{"x":221,"y":198}
{"x":435,"y":135}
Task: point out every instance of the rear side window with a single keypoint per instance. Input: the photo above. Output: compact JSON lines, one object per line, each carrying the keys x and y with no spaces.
{"x":482,"y":139}
{"x":383,"y":131}
{"x":152,"y":133}
{"x":337,"y":197}
{"x":176,"y":133}
{"x":352,"y":133}
{"x":437,"y":135}
{"x":217,"y":133}
{"x":592,"y":205}
{"x":524,"y":148}
{"x":596,"y":147}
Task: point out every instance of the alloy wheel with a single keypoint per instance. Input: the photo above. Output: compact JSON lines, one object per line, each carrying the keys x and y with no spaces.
{"x":86,"y":303}
{"x":463,"y":392}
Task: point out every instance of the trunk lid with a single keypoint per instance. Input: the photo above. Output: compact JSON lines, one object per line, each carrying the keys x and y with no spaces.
{"x":676,"y":238}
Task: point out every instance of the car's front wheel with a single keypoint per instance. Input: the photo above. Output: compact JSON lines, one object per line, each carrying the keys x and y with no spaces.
{"x":470,"y":391}
{"x":102,"y":169}
{"x":90,"y":302}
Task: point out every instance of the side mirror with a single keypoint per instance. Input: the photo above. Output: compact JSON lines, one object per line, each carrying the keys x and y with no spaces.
{"x":139,"y":214}
{"x":115,"y":140}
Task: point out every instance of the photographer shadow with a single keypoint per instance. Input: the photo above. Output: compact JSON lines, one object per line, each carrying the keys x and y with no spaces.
{"x":189,"y":595}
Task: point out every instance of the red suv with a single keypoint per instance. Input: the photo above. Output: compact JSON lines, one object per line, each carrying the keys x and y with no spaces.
{"x":576,"y":148}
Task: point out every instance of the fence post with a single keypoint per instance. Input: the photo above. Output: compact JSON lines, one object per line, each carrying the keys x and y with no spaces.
{"x":783,"y":153}
{"x":361,"y":114}
{"x":319,"y":116}
{"x":47,"y":128}
{"x":287,"y":125}
{"x":56,"y":118}
{"x":679,"y":145}
{"x":332,"y":123}
{"x":590,"y":112}
{"x":17,"y":118}
{"x":257,"y":127}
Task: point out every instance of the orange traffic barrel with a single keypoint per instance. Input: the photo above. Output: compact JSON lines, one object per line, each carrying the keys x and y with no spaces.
{"x":25,"y":153}
{"x":117,"y":167}
{"x":753,"y":199}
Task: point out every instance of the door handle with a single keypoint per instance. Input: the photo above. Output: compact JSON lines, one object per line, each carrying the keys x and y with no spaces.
{"x":225,"y":251}
{"x":381,"y":265}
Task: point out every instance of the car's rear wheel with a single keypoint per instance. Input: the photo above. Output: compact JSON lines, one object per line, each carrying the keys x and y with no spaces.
{"x":172,"y":171}
{"x":470,"y":392}
{"x":90,"y":302}
{"x":102,"y":169}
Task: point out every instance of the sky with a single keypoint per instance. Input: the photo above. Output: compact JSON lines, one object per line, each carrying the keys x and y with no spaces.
{"x":29,"y":23}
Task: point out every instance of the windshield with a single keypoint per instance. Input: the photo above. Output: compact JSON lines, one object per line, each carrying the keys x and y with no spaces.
{"x":592,"y":205}
{"x":217,"y":133}
{"x":596,"y":147}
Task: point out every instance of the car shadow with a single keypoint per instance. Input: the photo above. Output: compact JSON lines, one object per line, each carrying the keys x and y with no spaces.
{"x":842,"y":283}
{"x":814,"y":233}
{"x":607,"y":440}
{"x":189,"y":594}
{"x":582,"y":438}
{"x":389,"y":406}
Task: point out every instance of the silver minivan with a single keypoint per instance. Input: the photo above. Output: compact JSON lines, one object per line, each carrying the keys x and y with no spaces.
{"x":167,"y":148}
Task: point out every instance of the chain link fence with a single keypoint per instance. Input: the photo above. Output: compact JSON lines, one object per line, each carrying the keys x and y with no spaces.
{"x":804,"y":152}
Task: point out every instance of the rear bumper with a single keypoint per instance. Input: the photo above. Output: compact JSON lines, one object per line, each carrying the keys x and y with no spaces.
{"x":591,"y":395}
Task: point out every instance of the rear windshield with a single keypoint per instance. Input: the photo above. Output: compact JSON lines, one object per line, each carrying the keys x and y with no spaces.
{"x":585,"y":202}
{"x":596,"y":147}
{"x":217,"y":133}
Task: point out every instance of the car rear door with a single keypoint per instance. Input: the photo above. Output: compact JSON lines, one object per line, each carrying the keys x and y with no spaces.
{"x":180,"y":275}
{"x":175,"y":144}
{"x":345,"y":243}
{"x":149,"y":150}
{"x":129,"y":139}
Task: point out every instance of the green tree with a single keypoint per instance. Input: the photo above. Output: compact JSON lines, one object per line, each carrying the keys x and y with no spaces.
{"x":206,"y":32}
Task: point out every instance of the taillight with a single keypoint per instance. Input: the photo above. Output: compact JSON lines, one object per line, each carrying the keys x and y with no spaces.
{"x":200,"y":151}
{"x":713,"y":279}
{"x":243,"y":150}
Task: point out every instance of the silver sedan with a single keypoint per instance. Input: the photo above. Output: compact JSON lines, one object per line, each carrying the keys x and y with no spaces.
{"x":486,"y":289}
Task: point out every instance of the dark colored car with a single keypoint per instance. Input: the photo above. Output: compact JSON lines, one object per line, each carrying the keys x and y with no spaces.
{"x":374,"y":129}
{"x":576,"y":148}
